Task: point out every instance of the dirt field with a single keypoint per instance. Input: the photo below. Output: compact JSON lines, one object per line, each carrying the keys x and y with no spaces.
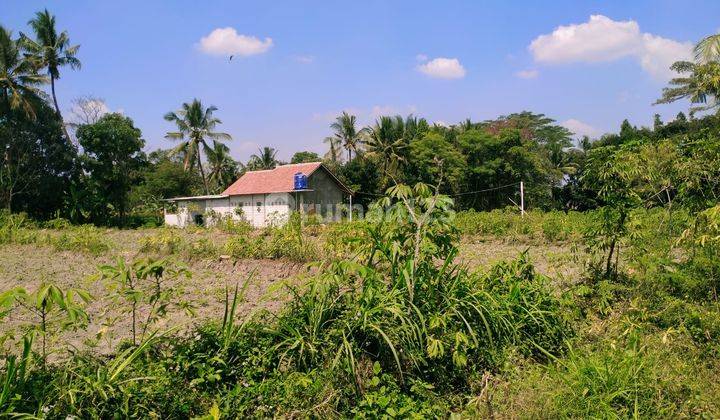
{"x":29,"y":265}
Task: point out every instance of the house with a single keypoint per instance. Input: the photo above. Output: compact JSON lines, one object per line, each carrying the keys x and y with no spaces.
{"x":267,"y":197}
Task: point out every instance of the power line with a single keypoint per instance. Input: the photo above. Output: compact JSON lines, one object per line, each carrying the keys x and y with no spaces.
{"x":450,"y":195}
{"x":485,"y":190}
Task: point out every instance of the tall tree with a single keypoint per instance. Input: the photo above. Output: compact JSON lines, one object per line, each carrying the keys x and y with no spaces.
{"x":386,"y":142}
{"x":223,"y":168}
{"x":304,"y":157}
{"x":333,"y":154}
{"x":346,"y":132}
{"x":112,"y":156}
{"x":50,"y":50}
{"x":700,"y":84}
{"x":264,"y":159}
{"x":36,"y":161}
{"x":708,"y":49}
{"x":19,"y":81}
{"x":195,"y":125}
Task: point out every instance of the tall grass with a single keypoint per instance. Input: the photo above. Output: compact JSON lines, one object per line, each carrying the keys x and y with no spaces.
{"x":552,"y":226}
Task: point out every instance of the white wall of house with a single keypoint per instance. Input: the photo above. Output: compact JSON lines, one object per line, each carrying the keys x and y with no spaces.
{"x":259,"y":210}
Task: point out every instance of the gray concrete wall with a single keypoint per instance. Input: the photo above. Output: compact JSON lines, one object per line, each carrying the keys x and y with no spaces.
{"x":326,"y":195}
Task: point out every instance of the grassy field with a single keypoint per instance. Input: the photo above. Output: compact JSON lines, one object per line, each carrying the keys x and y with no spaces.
{"x":557,"y":339}
{"x":208,"y":254}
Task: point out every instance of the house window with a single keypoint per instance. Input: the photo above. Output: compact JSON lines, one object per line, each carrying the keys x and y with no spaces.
{"x":259,"y":205}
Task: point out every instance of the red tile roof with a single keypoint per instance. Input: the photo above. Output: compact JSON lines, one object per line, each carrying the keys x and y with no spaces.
{"x":280,"y":179}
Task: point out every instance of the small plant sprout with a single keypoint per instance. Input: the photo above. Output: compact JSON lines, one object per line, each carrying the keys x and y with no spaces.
{"x":146,"y":286}
{"x":50,"y":308}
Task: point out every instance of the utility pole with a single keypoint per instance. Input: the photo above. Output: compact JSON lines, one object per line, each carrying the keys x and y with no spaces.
{"x":522,"y":199}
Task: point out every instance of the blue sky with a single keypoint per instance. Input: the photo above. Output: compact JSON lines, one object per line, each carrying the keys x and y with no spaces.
{"x":445,"y":61}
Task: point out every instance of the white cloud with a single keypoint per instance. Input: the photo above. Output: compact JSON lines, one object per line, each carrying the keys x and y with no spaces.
{"x":580,"y":128}
{"x":527,"y":74}
{"x":421,"y":58}
{"x":602,"y":39}
{"x":226,"y":41}
{"x":443,"y":68}
{"x":660,"y":53}
{"x":304,"y":59}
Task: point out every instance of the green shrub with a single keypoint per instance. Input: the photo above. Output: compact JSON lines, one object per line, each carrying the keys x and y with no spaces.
{"x":552,"y":226}
{"x":16,"y":228}
{"x":167,"y":241}
{"x":85,"y":238}
{"x":622,"y":380}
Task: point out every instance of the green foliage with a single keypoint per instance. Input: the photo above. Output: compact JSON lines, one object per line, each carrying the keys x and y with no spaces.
{"x":550,"y":226}
{"x":195,"y":126}
{"x":147,"y":290}
{"x":50,"y":309}
{"x":37,"y":160}
{"x":84,"y":238}
{"x":431,"y":158}
{"x":384,"y":398}
{"x":264,"y":159}
{"x":286,"y":241}
{"x":112,"y":155}
{"x":305,"y":157}
{"x":611,"y":173}
{"x":621,"y":380}
{"x":14,"y":377}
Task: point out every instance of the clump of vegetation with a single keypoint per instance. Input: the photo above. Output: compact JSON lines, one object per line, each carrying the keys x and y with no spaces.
{"x":509,"y":224}
{"x":49,"y":310}
{"x":83,"y":238}
{"x":145,"y":290}
{"x":167,"y":241}
{"x":388,"y":333}
{"x":287,"y":241}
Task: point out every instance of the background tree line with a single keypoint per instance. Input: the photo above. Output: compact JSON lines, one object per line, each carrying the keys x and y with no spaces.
{"x":92,"y":167}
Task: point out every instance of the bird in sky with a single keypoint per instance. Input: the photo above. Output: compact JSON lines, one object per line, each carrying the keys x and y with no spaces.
{"x":231,"y":57}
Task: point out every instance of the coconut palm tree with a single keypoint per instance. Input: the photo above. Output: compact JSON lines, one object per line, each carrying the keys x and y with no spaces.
{"x":708,"y":49}
{"x":700,"y":80}
{"x":386,"y":142}
{"x":346,"y":132}
{"x":50,"y":50}
{"x":195,"y":125}
{"x":223,"y":168}
{"x":265,"y":159}
{"x":701,"y":85}
{"x":334,"y":146}
{"x":19,"y":81}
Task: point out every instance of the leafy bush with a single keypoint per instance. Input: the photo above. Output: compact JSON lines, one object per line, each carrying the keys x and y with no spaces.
{"x":550,"y":226}
{"x":16,"y":228}
{"x":287,"y":241}
{"x":391,"y":333}
{"x":85,"y":238}
{"x":625,"y":380}
{"x":167,"y":241}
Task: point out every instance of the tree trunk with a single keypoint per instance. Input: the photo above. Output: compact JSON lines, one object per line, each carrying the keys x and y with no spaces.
{"x":202,"y":171}
{"x":608,"y":266}
{"x":57,"y":108}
